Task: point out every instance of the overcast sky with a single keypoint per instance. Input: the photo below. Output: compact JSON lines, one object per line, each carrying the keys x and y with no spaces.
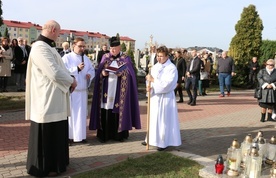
{"x":174,"y":23}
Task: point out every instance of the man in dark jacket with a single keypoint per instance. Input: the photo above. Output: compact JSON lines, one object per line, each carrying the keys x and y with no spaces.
{"x":254,"y":68}
{"x":193,"y":71}
{"x":101,"y":53}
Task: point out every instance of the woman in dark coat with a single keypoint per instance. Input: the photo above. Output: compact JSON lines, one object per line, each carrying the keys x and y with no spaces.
{"x":180,"y":64}
{"x":267,"y":81}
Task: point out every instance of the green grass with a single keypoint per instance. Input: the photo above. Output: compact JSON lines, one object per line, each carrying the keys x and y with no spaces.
{"x":12,"y":102}
{"x":155,"y":165}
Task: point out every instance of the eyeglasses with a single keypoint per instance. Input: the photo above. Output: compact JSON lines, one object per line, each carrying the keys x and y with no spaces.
{"x":270,"y":65}
{"x":80,"y":46}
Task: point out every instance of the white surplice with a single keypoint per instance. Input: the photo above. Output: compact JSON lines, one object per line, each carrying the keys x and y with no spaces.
{"x":164,"y":124}
{"x":78,"y":99}
{"x":112,"y":87}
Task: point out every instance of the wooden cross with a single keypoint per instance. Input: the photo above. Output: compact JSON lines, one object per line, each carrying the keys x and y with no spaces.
{"x":97,"y":49}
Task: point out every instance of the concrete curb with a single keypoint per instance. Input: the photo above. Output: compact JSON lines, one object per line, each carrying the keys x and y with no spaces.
{"x":208,"y":164}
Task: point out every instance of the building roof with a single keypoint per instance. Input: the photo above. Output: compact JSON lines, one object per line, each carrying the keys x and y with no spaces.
{"x":125,"y":38}
{"x":19,"y":24}
{"x":83,"y":33}
{"x":27,"y":25}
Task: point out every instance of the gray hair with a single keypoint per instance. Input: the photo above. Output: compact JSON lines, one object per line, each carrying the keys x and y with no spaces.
{"x":271,"y":61}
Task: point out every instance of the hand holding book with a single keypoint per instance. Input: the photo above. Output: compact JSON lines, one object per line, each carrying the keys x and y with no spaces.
{"x":115,"y":69}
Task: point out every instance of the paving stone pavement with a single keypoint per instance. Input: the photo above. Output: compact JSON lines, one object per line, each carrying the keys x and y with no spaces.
{"x":207,"y":130}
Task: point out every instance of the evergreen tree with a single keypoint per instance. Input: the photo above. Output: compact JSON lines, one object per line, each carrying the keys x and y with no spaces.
{"x":6,"y":33}
{"x":1,"y":12}
{"x":246,"y":43}
{"x":118,"y":36}
{"x":131,"y":55}
{"x":268,"y":50}
{"x":123,"y":47}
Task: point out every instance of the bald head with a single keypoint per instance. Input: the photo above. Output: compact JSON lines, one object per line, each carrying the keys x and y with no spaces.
{"x":224,"y":54}
{"x":51,"y":29}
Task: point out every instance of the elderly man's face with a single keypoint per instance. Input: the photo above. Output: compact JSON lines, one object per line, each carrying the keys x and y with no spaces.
{"x":20,"y":42}
{"x":224,"y":54}
{"x":56,"y":33}
{"x":115,"y":50}
{"x":254,"y":59}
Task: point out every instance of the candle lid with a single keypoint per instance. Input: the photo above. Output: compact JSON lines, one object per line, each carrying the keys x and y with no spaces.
{"x":259,"y":134}
{"x":248,"y":138}
{"x":254,"y":152}
{"x":273,"y":140}
{"x":235,"y":144}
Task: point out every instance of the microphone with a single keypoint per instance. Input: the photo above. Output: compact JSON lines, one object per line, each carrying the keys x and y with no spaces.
{"x":82,"y":54}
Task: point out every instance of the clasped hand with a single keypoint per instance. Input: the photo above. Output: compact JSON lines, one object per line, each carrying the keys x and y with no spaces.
{"x":269,"y":86}
{"x":106,"y":73}
{"x":88,"y":76}
{"x":149,"y":78}
{"x":81,"y":66}
{"x":73,"y":85}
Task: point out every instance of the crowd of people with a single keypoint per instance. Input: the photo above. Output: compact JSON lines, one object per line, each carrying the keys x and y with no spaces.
{"x":61,"y":81}
{"x":194,"y":71}
{"x":13,"y":56}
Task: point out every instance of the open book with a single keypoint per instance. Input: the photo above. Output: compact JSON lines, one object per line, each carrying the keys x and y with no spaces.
{"x":116,"y":69}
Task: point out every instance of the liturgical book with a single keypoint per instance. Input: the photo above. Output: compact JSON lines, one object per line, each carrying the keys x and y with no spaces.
{"x":115,"y":69}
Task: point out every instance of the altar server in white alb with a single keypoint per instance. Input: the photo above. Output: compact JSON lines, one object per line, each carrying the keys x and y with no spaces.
{"x":164,"y":124}
{"x":82,"y":69}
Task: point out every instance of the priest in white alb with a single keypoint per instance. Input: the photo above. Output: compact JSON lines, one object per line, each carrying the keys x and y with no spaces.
{"x":164,"y":124}
{"x":82,"y":69}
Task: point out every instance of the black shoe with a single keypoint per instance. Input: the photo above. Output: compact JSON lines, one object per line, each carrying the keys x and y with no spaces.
{"x":70,"y":142}
{"x":144,"y":143}
{"x":189,"y":102}
{"x":204,"y":94}
{"x":100,"y":140}
{"x":160,"y":149}
{"x":180,"y":101}
{"x":84,"y":141}
{"x":262,"y":120}
{"x":193,"y":104}
{"x":121,"y":140}
{"x":20,"y":90}
{"x":271,"y":120}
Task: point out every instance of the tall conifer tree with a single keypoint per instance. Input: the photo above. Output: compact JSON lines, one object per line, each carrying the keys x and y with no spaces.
{"x":6,"y":33}
{"x":246,"y":43}
{"x":268,"y":50}
{"x":123,"y":47}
